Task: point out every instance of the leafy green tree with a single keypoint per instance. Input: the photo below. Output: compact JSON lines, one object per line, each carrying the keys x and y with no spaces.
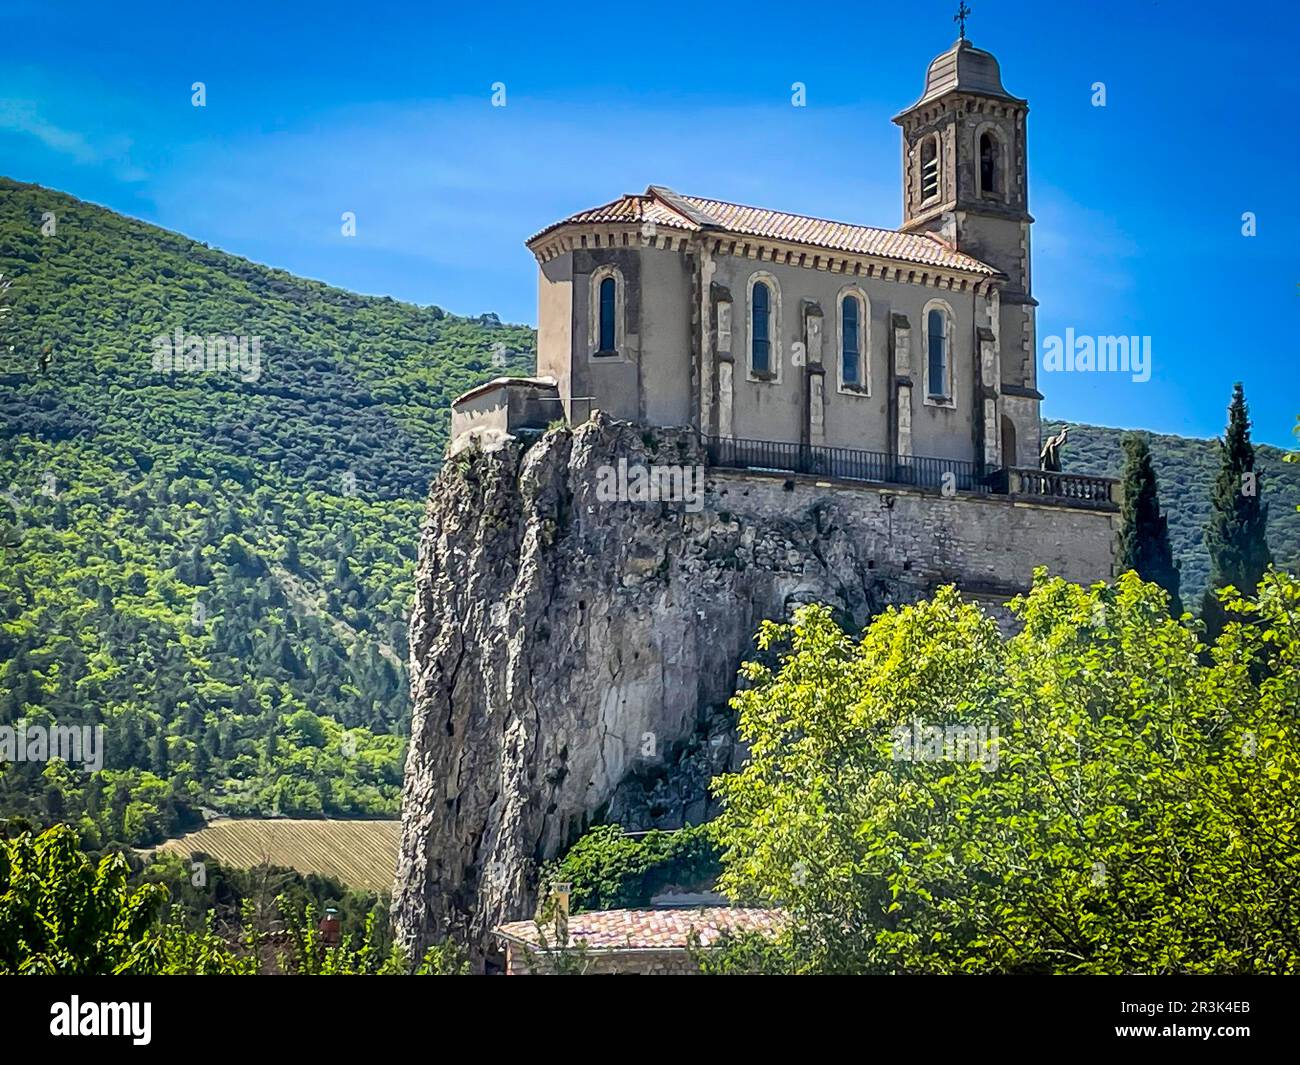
{"x":158,"y":760}
{"x":308,"y":956}
{"x":306,"y":728}
{"x":174,"y":949}
{"x":1235,"y":534}
{"x":1144,"y":533}
{"x":6,"y":311}
{"x":61,"y":915}
{"x":554,"y":952}
{"x":743,"y":954}
{"x":119,"y":805}
{"x":1135,"y":811}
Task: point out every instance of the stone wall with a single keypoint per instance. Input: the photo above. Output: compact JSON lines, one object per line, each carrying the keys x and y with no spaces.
{"x":911,"y":541}
{"x":563,"y":643}
{"x":610,"y":963}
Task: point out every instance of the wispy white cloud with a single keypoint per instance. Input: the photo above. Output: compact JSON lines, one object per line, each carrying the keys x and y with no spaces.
{"x":24,"y":117}
{"x":21,"y":116}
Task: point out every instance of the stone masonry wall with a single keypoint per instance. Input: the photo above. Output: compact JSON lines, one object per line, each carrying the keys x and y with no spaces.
{"x":611,"y":963}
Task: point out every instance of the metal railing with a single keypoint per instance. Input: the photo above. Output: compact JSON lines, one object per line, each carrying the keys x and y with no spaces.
{"x":913,"y":470}
{"x":848,"y":464}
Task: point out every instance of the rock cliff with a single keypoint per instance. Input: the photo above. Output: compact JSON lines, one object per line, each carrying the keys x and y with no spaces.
{"x":572,"y":655}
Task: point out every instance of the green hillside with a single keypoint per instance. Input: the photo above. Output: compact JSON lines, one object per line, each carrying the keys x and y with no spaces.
{"x":216,"y":569}
{"x":215,"y":566}
{"x":1185,"y":469}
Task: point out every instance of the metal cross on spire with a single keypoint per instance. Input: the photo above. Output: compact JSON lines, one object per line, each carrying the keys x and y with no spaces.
{"x":963,"y":13}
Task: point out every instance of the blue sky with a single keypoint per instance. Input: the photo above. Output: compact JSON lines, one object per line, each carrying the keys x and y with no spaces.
{"x":384,"y":109}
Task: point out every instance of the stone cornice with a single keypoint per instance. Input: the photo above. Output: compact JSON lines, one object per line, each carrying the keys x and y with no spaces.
{"x":988,"y":208}
{"x":976,"y":103}
{"x":593,"y":235}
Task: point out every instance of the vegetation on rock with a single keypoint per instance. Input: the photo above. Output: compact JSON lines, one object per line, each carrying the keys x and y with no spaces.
{"x":609,"y":869}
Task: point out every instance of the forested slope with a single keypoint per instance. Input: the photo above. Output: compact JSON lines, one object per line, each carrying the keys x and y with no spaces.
{"x":215,"y":568}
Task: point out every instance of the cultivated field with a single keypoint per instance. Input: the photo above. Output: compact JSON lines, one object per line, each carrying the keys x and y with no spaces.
{"x":361,"y":854}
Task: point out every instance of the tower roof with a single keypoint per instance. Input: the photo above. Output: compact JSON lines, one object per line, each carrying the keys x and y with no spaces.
{"x":963,"y":68}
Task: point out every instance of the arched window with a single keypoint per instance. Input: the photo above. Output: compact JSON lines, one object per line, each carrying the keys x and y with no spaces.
{"x":760,"y":328}
{"x":608,"y":311}
{"x":851,"y":319}
{"x":929,"y":168}
{"x":605,"y":312}
{"x":990,"y":152}
{"x":936,"y":336}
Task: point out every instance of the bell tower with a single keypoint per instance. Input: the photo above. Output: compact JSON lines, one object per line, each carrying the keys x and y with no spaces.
{"x":965,"y":179}
{"x":964,"y":166}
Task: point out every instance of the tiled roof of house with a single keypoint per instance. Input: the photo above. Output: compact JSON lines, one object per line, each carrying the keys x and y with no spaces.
{"x":663,"y":207}
{"x":604,"y":930}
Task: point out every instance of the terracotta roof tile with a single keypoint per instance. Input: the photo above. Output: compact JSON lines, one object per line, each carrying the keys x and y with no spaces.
{"x":625,"y":209}
{"x":666,"y":208}
{"x":836,"y":236}
{"x":651,"y":929}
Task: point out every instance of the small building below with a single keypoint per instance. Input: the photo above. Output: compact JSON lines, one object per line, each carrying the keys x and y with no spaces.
{"x":629,"y":942}
{"x":499,"y":408}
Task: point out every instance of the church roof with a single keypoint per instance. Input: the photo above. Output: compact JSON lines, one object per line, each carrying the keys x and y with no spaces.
{"x":963,"y":68}
{"x":693,"y":214}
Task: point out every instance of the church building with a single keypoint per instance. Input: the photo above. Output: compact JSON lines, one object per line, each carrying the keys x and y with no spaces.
{"x":829,"y":347}
{"x":859,"y":410}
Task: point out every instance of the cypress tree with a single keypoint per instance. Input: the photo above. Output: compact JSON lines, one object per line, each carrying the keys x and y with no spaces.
{"x":1144,"y":535}
{"x":291,"y":560}
{"x":1235,"y":534}
{"x":118,"y":803}
{"x":159,"y":763}
{"x":94,"y":796}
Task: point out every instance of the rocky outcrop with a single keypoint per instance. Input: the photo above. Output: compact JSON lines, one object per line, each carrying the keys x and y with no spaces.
{"x":572,"y":655}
